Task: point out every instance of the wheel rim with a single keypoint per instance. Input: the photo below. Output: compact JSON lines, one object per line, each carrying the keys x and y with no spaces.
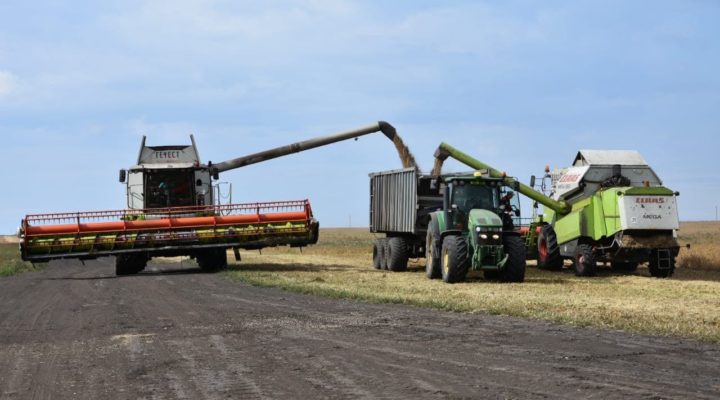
{"x":543,"y":250}
{"x":580,"y":263}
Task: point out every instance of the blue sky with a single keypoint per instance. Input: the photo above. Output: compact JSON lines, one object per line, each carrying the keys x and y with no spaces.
{"x":519,"y":84}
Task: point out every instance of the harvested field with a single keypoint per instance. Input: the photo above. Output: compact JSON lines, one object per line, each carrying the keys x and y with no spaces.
{"x":340,"y":266}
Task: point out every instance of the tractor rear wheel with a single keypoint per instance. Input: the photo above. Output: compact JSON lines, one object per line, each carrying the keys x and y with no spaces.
{"x":398,"y":257}
{"x":432,"y":251}
{"x":661,"y":265}
{"x":211,"y":260}
{"x":549,"y":257}
{"x":584,"y":261}
{"x":454,"y":264}
{"x":377,"y":254}
{"x":514,"y":270}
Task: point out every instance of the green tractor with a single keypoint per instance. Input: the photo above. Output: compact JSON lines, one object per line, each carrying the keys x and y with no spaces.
{"x":474,"y":231}
{"x":459,"y":222}
{"x":608,"y":207}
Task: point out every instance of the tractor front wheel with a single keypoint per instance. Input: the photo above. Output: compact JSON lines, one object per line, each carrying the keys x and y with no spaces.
{"x":584,"y":261}
{"x":514,"y":270}
{"x":454,"y":264}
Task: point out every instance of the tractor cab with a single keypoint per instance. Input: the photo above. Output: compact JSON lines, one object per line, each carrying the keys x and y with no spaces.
{"x":480,"y":200}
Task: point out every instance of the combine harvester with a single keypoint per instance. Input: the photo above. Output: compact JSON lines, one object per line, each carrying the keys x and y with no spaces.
{"x":609,"y":206}
{"x":173,"y":211}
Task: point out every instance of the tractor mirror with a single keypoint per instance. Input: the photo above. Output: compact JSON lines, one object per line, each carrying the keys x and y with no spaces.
{"x":535,"y":204}
{"x":516,"y":186}
{"x":122,"y":176}
{"x":532,"y":181}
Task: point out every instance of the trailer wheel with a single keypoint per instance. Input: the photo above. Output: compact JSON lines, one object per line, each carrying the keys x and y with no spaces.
{"x":377,"y":254}
{"x":211,"y":260}
{"x":454,"y":264}
{"x":548,"y":250}
{"x":432,"y":251}
{"x":129,"y":264}
{"x":398,"y":257}
{"x":514,"y":270}
{"x":623,"y":266}
{"x":386,"y":254}
{"x":661,"y":265}
{"x":584,"y":261}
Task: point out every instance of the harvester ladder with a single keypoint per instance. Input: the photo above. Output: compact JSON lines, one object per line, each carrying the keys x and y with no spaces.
{"x":664,"y":259}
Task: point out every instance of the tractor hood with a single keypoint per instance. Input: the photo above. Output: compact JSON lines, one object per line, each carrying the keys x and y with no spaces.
{"x":484,"y":219}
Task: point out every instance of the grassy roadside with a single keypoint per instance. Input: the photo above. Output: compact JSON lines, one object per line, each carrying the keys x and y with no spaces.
{"x":10,"y":262}
{"x":339,"y":266}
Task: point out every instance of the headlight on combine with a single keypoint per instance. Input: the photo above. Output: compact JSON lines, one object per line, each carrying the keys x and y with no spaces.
{"x":484,"y":236}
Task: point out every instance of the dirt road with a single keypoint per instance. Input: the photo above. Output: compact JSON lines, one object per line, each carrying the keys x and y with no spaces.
{"x":74,"y":332}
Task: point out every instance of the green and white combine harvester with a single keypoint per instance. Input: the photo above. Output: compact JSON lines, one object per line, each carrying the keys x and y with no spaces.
{"x":609,"y":206}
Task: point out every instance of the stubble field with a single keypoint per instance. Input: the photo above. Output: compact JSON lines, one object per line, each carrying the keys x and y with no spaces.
{"x":687,"y":305}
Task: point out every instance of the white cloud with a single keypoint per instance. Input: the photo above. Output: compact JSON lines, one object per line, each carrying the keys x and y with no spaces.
{"x":8,"y":82}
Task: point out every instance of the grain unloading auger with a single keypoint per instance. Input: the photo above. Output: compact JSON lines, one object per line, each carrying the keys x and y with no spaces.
{"x":609,"y":206}
{"x":172,"y":212}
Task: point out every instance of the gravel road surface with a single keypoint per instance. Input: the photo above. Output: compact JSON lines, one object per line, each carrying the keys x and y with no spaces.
{"x":171,"y":332}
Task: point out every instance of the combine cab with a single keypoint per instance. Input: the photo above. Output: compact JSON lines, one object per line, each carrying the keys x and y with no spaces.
{"x":173,"y":211}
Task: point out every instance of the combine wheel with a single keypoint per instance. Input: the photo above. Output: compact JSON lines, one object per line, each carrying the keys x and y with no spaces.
{"x":377,"y":254}
{"x":398,"y":257}
{"x":454,"y":259}
{"x":211,"y":260}
{"x":584,"y":261}
{"x":548,"y":250}
{"x":129,"y":264}
{"x":623,"y":266}
{"x":514,"y":270}
{"x":662,"y":263}
{"x":432,"y":251}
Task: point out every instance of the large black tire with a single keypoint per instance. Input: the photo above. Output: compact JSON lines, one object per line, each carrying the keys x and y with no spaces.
{"x":654,"y":265}
{"x":432,"y":251}
{"x":548,"y":250}
{"x":398,"y":257}
{"x":386,"y":254}
{"x":619,"y":266}
{"x":129,"y":264}
{"x":211,"y":260}
{"x":377,"y":254}
{"x":454,"y":260}
{"x":584,"y":261}
{"x":514,"y":270}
